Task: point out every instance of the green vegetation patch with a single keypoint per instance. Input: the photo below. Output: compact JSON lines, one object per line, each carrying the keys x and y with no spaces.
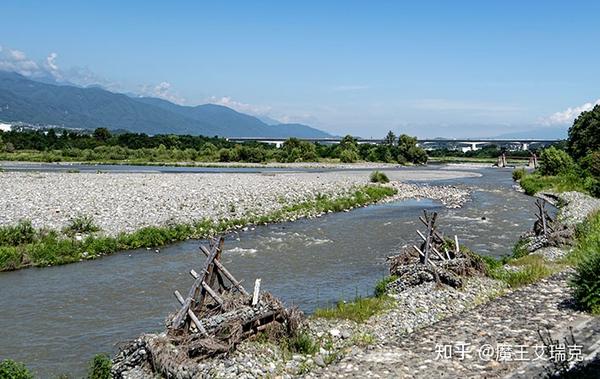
{"x":10,"y":369}
{"x":100,"y":367}
{"x":380,"y":287}
{"x":359,"y":310}
{"x":586,"y":257}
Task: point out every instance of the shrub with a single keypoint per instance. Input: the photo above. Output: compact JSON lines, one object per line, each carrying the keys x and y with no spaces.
{"x":100,"y":367}
{"x":379,"y":177}
{"x":554,"y":161}
{"x":518,"y":174}
{"x":586,"y":282}
{"x":380,"y":287}
{"x":348,"y":156}
{"x":10,"y":369}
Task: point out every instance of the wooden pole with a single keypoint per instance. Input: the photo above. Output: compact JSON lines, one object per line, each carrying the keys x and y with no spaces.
{"x":423,"y":255}
{"x":225,"y":272}
{"x":432,"y":247}
{"x":193,"y":317}
{"x":256,"y":292}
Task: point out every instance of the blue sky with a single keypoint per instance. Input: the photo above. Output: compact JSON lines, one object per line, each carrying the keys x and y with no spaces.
{"x":429,"y":68}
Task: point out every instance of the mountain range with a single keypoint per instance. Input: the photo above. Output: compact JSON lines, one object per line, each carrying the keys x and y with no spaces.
{"x":43,"y":103}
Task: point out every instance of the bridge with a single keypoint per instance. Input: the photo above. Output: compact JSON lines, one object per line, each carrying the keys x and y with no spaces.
{"x":427,"y":144}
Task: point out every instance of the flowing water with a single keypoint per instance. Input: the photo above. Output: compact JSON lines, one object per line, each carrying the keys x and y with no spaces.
{"x":55,"y":319}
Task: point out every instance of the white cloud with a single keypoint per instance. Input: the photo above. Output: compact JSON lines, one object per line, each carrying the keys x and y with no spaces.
{"x":257,"y":110}
{"x":17,"y":61}
{"x":48,"y":69}
{"x":164,"y":91}
{"x":567,"y":116}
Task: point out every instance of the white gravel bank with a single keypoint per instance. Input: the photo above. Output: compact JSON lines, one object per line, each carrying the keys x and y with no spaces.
{"x":122,"y":202}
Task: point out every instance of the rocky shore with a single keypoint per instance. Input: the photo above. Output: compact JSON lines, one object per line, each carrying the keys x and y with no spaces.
{"x":125,"y":202}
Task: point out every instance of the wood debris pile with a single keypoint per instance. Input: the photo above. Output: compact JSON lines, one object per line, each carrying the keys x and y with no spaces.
{"x":216,"y":314}
{"x":437,"y":259}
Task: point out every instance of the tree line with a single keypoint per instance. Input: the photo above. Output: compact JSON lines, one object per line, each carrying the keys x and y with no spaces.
{"x":101,"y":145}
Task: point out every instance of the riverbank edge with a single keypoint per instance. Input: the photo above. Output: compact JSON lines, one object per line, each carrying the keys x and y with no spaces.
{"x":360,"y":165}
{"x":333,"y":339}
{"x":45,"y":244}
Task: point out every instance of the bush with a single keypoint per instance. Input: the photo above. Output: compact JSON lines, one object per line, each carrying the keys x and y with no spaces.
{"x":554,"y":162}
{"x":348,"y":156}
{"x":10,"y":369}
{"x":100,"y":367}
{"x":379,"y":177}
{"x":586,"y":282}
{"x":518,"y":174}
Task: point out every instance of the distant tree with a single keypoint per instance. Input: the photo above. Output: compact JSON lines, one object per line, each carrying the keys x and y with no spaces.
{"x":390,"y":139}
{"x":102,"y":135}
{"x":584,"y":135}
{"x":408,"y":151}
{"x":348,"y":149}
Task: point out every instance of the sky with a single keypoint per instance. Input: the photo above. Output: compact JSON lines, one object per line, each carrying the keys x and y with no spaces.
{"x":426,"y":68}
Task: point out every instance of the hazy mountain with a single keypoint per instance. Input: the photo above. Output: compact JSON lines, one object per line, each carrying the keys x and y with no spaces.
{"x":22,"y":99}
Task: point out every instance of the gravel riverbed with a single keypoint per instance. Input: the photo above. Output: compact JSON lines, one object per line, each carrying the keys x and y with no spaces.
{"x":125,"y":202}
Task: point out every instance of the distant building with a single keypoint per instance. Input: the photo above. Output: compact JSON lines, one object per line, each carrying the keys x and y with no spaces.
{"x":5,"y":127}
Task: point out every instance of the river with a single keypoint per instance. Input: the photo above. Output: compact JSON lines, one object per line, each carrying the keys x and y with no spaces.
{"x":55,"y":319}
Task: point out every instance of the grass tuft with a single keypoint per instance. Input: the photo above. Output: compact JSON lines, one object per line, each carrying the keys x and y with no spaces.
{"x":380,"y":287}
{"x":81,"y":225}
{"x":360,"y":310}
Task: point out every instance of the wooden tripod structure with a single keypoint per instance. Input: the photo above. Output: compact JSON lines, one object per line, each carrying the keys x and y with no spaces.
{"x":430,"y":239}
{"x":210,"y":281}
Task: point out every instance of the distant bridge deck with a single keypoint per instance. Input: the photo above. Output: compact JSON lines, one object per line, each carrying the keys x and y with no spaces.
{"x":464,"y":143}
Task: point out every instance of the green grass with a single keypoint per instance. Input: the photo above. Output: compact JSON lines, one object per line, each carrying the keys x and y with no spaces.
{"x":535,"y":183}
{"x":23,"y":246}
{"x":359,"y":310}
{"x":380,"y":287}
{"x":532,"y":268}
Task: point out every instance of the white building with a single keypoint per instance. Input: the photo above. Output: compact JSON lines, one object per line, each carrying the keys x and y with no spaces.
{"x":5,"y":127}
